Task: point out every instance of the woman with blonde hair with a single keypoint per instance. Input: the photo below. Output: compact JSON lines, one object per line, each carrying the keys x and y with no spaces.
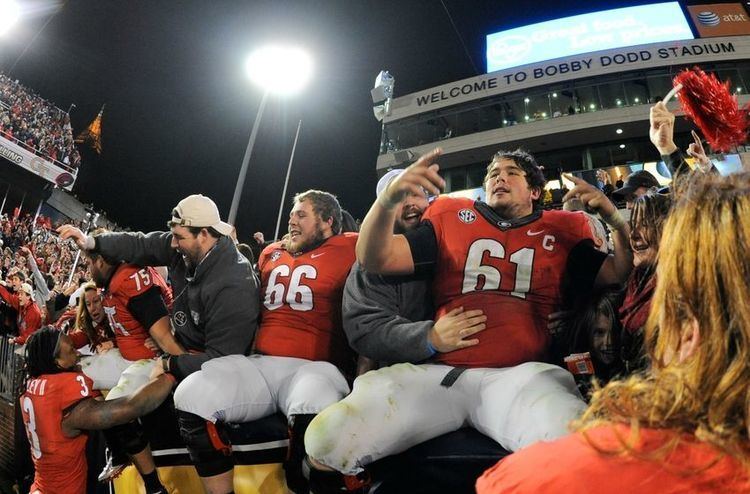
{"x":682,"y":427}
{"x":104,"y":364}
{"x":91,"y":326}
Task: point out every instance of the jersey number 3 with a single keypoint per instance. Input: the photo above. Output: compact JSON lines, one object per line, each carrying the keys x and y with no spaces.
{"x":28,"y":407}
{"x":478,"y":276}
{"x":298,"y":296}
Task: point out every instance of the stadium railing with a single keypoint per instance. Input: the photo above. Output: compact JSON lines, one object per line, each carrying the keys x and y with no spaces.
{"x":11,"y":366}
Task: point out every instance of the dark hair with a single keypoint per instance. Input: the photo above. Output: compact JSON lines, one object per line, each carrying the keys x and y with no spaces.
{"x":607,"y":303}
{"x":195,"y":230}
{"x":325,"y":205}
{"x":348,"y":223}
{"x":650,"y":211}
{"x":534,"y":175}
{"x":19,"y":274}
{"x":50,"y":281}
{"x":94,"y":255}
{"x":40,"y":352}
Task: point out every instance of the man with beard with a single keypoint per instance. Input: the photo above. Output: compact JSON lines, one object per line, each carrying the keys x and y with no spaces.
{"x":389,"y":318}
{"x":215,"y":309}
{"x":301,"y":352}
{"x":59,"y":405}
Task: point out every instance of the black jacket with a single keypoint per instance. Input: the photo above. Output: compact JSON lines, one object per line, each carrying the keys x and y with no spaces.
{"x":215,"y":312}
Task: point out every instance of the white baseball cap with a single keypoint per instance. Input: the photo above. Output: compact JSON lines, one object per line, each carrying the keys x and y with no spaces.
{"x":199,"y":211}
{"x":386,"y":179}
{"x":26,"y":288}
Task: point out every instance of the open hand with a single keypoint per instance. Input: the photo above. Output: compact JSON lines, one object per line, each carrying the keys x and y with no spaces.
{"x":450,"y":331}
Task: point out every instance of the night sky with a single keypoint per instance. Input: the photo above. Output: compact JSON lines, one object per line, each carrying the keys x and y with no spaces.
{"x":180,"y":106}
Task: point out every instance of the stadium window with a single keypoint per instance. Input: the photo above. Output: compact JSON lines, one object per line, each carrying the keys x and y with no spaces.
{"x":600,"y":156}
{"x":744,"y":79}
{"x":636,"y":92}
{"x":733,"y":76}
{"x":658,"y":87}
{"x":475,"y":175}
{"x":456,"y":179}
{"x":588,"y":99}
{"x":611,"y":95}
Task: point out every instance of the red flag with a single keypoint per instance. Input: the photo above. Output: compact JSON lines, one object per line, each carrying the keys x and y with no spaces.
{"x":93,"y":133}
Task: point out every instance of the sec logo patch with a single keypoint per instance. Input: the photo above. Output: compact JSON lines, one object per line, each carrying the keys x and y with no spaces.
{"x":275,"y":256}
{"x":467,"y":216}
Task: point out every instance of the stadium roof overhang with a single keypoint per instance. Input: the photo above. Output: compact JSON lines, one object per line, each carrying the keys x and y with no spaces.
{"x":546,"y":135}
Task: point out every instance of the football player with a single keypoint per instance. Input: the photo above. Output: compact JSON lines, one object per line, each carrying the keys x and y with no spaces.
{"x":511,"y":260}
{"x":301,"y":350}
{"x":60,"y":403}
{"x":135,"y":302}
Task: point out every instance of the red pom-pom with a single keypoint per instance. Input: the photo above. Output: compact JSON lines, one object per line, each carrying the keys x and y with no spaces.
{"x":710,"y":104}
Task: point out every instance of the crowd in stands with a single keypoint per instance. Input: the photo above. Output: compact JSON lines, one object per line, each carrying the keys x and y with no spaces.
{"x":36,"y":124}
{"x":35,"y":259}
{"x":514,"y":321}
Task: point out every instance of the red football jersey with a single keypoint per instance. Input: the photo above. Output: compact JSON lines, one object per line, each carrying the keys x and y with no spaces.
{"x":514,"y":273}
{"x":60,"y":461}
{"x":301,"y":313}
{"x":130,"y":281}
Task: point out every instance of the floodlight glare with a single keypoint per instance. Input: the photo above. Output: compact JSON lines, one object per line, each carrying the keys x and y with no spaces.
{"x":10,"y":12}
{"x":281,"y":70}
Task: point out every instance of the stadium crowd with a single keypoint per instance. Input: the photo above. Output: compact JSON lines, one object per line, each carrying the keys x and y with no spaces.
{"x":500,"y":316}
{"x":36,"y":124}
{"x":35,"y":266}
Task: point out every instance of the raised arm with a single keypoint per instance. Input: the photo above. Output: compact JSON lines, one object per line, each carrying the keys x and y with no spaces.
{"x":616,"y":268}
{"x":91,"y":414}
{"x":661,"y":133}
{"x":150,"y":249}
{"x":40,"y":284}
{"x":378,"y":249}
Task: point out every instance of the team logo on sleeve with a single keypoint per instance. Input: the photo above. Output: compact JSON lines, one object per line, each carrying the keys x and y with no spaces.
{"x":275,"y":256}
{"x":180,"y":318}
{"x":467,"y":216}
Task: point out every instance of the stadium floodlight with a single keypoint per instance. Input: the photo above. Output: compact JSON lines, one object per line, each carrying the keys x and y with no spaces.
{"x":382,"y":94}
{"x":10,"y":12}
{"x":279,"y":70}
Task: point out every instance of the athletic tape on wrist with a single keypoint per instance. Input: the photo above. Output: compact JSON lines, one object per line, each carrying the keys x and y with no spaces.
{"x":614,"y":220}
{"x":385,"y":203}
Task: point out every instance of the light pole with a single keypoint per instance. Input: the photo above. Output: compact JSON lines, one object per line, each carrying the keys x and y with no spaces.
{"x":278,"y":70}
{"x":286,"y":183}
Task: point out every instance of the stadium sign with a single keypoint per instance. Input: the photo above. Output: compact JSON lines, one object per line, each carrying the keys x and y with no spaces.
{"x":33,"y":163}
{"x":720,"y":19}
{"x":604,"y":30}
{"x":593,"y":64}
